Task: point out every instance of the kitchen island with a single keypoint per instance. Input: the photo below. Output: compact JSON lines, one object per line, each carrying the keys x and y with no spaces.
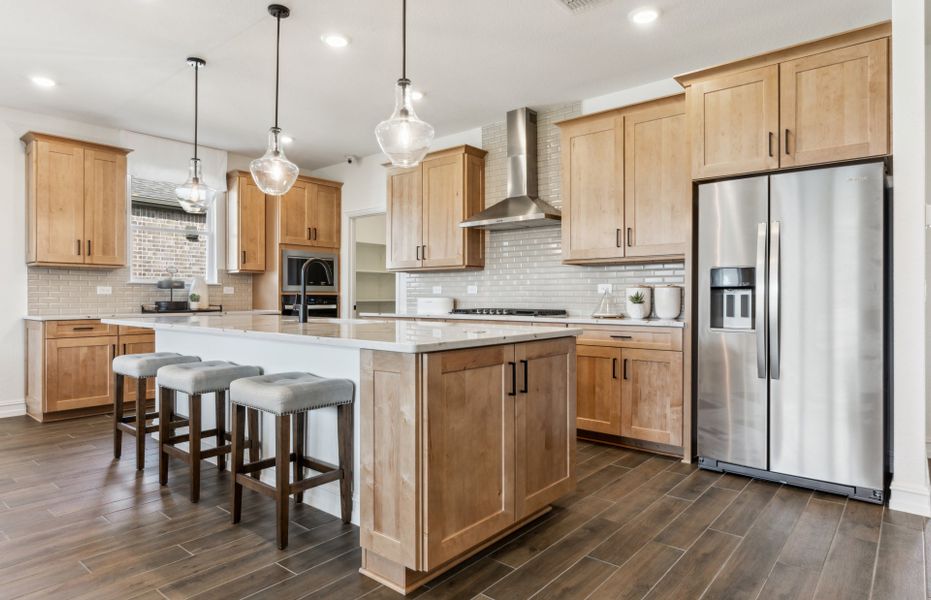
{"x":463,"y":432}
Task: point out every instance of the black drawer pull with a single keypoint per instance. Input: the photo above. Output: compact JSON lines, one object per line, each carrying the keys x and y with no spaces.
{"x":513,"y":366}
{"x":622,"y":337}
{"x":625,"y":369}
{"x":613,"y":368}
{"x":83,"y":328}
{"x":524,"y":363}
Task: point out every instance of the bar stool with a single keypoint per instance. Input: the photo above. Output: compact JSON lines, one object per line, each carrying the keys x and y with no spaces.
{"x":195,"y":379}
{"x":140,"y":367}
{"x":285,"y":395}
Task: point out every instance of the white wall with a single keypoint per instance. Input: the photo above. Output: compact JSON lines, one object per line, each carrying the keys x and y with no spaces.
{"x":909,"y":488}
{"x":641,"y":93}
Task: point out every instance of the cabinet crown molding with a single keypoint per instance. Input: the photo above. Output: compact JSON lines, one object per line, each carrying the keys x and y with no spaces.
{"x":34,"y":136}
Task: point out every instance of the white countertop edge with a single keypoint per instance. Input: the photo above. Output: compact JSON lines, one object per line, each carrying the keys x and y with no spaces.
{"x":567,"y":320}
{"x":402,"y":347}
{"x":139,"y":314}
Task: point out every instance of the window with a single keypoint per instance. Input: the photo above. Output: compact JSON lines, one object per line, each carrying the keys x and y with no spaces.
{"x":165,"y":239}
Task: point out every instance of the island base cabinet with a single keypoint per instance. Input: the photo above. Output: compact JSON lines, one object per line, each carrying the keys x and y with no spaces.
{"x":458,"y":449}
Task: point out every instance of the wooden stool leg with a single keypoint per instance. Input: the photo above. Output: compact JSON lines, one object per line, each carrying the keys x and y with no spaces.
{"x":165,"y":409}
{"x":299,"y":423}
{"x":140,"y":423}
{"x":117,"y":415}
{"x":282,"y":487}
{"x":194,"y":445}
{"x":220,"y":400}
{"x":344,"y":434}
{"x":239,"y":446}
{"x":255,"y":445}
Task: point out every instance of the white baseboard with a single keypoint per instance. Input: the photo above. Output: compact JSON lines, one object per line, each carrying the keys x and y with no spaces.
{"x":12,"y":408}
{"x":910,"y":499}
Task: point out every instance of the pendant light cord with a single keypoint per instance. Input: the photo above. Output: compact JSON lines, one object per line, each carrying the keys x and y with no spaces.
{"x":277,"y":61}
{"x":196,"y":87}
{"x":403,"y":39}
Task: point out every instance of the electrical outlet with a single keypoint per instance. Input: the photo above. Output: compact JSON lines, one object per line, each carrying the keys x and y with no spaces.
{"x":604,"y":287}
{"x":104,"y":290}
{"x":437,"y":289}
{"x":472,"y":289}
{"x":228,"y":290}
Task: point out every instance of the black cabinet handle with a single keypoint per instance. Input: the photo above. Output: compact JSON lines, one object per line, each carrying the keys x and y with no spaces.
{"x":83,"y":328}
{"x":309,"y":234}
{"x":423,"y":252}
{"x":625,"y":369}
{"x":243,"y":257}
{"x":622,"y":337}
{"x":769,"y":144}
{"x":79,"y":247}
{"x":88,"y":247}
{"x":629,"y":232}
{"x":613,"y":368}
{"x":513,"y":366}
{"x":617,"y":238}
{"x":418,"y":252}
{"x":787,"y":140}
{"x":524,"y":363}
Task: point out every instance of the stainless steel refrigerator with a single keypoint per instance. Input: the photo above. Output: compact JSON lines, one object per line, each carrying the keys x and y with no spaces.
{"x":792,"y":327}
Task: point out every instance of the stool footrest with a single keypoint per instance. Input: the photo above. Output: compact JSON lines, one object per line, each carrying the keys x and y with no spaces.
{"x":305,"y":484}
{"x":258,"y":465}
{"x":210,"y":452}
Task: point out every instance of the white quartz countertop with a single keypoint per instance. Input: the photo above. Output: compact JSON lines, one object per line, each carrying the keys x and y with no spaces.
{"x":138,"y":314}
{"x":393,"y":336}
{"x":569,"y":320}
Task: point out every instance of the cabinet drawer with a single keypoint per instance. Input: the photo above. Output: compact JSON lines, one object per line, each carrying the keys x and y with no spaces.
{"x":647,"y":338}
{"x":127,"y":330}
{"x":78,"y":328}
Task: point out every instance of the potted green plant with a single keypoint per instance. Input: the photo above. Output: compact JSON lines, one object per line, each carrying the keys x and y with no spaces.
{"x":637,"y":305}
{"x":194,"y":301}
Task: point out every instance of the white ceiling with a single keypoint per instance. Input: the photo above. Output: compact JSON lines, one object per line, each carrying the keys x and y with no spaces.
{"x":120,"y":63}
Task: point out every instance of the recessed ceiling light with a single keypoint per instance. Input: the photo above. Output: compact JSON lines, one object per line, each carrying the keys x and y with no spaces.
{"x":643,"y":16}
{"x":43,"y":82}
{"x":286,"y":139}
{"x":416,"y":95}
{"x":335,"y":40}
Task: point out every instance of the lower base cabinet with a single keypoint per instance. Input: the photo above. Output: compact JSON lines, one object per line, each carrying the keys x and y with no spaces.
{"x":651,"y":396}
{"x":459,"y":448}
{"x":69,"y":367}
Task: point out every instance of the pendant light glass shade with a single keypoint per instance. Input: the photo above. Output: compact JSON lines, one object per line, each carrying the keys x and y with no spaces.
{"x":274,"y":173}
{"x":403,"y":137}
{"x":194,"y":195}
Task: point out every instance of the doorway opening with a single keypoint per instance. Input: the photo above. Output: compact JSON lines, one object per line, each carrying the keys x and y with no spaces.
{"x":374,"y":288}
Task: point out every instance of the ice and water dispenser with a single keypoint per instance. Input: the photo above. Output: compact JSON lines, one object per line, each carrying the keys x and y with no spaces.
{"x":732,"y":297}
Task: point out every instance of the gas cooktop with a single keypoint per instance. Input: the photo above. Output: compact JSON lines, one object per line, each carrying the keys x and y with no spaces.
{"x":511,"y":312}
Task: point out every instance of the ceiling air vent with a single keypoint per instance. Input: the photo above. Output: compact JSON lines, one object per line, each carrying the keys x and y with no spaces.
{"x":576,"y":6}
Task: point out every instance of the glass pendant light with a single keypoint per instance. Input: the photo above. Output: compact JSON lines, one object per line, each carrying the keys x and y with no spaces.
{"x":403,"y":137}
{"x":194,"y":195}
{"x":274,"y":173}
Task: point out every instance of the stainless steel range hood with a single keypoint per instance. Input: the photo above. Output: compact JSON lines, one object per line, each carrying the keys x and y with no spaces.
{"x":522,"y":208}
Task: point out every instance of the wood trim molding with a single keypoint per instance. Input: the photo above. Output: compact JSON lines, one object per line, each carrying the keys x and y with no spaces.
{"x":33,"y":136}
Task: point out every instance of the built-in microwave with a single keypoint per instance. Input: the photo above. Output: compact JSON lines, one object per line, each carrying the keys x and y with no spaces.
{"x":293,"y":260}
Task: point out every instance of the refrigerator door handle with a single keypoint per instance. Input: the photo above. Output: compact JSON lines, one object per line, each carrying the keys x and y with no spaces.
{"x":760,"y":301}
{"x":774,"y":274}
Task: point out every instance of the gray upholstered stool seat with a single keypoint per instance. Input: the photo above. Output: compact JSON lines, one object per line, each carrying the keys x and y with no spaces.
{"x":143,"y":366}
{"x":203,"y":377}
{"x":289,"y":393}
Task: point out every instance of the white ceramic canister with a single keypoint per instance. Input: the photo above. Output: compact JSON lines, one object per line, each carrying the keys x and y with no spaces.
{"x":639,"y":311}
{"x":668,"y":301}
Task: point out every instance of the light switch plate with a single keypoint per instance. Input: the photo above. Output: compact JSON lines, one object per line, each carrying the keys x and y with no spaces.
{"x":437,"y":289}
{"x":472,"y":289}
{"x":604,"y":287}
{"x":104,"y":290}
{"x":228,"y":290}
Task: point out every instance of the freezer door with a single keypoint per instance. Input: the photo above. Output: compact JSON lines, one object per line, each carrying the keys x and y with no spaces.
{"x":826,"y":324}
{"x":732,"y":218}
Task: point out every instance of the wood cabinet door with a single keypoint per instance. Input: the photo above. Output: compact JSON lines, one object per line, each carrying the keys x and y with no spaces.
{"x":293,"y":215}
{"x":734,"y":120}
{"x":651,"y":396}
{"x":405,"y":218}
{"x":544,"y":424}
{"x":658,"y":182}
{"x":593,"y":189}
{"x":469,"y":453}
{"x":251,"y":226}
{"x":443,"y":210}
{"x":137,"y":343}
{"x":835,"y":105}
{"x":324,"y":216}
{"x":59,"y":202}
{"x":104,"y":207}
{"x":598,"y":392}
{"x":78,"y":373}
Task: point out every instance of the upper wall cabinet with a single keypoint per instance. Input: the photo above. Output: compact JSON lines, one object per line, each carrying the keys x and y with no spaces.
{"x":76,"y":202}
{"x":821,"y":102}
{"x":245,"y":241}
{"x":310,"y":213}
{"x":425,"y":206}
{"x":625,"y":184}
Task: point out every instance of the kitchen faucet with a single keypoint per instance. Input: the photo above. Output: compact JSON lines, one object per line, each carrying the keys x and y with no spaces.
{"x":328,"y":271}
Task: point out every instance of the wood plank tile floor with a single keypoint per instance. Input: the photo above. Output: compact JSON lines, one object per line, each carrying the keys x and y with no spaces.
{"x":74,"y":523}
